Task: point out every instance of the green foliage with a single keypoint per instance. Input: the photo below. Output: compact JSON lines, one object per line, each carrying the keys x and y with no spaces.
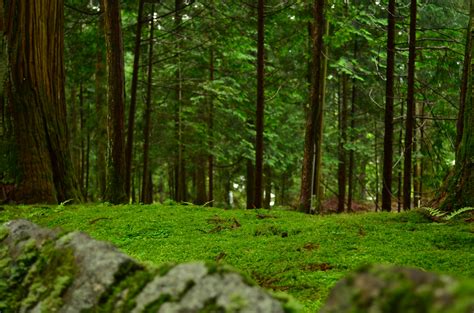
{"x":314,"y":253}
{"x":446,"y":216}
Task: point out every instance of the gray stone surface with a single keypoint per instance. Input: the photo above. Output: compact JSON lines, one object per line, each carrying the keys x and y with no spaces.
{"x":47,"y":271}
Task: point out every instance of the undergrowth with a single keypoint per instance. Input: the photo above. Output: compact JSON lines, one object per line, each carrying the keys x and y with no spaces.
{"x":284,"y":251}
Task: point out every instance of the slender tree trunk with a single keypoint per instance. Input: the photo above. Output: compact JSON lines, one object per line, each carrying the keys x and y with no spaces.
{"x":418,"y":164}
{"x":410,"y":118}
{"x":400,"y":170}
{"x":268,"y":188}
{"x":115,"y":192}
{"x":82,"y":152}
{"x":376,"y":162}
{"x":100,"y":110}
{"x":315,"y":109}
{"x":389,"y":97}
{"x":133,"y":99}
{"x":201,"y":196}
{"x":250,"y":185}
{"x":146,"y":197}
{"x":210,"y":158}
{"x":341,"y":173}
{"x":37,"y":96}
{"x":260,"y":106}
{"x":351,"y":172}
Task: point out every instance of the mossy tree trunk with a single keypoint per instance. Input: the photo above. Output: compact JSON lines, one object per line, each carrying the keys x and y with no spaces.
{"x":460,"y":187}
{"x":34,"y":32}
{"x":115,"y":190}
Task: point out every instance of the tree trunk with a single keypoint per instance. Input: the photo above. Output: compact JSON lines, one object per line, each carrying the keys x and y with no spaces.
{"x":100,"y":107}
{"x":250,"y":185}
{"x":210,"y":158}
{"x":201,"y":196}
{"x":260,"y":106}
{"x":115,"y":192}
{"x":389,"y":97}
{"x":34,"y":34}
{"x":146,"y":197}
{"x":341,"y":172}
{"x":315,"y":109}
{"x":133,"y":100}
{"x":460,"y":186}
{"x":351,"y":172}
{"x":268,"y":188}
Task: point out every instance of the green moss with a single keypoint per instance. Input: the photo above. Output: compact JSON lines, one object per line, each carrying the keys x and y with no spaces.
{"x":3,"y":232}
{"x":156,"y":305}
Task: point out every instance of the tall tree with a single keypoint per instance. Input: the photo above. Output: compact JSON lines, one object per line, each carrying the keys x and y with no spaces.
{"x":410,"y":117}
{"x":461,"y":181}
{"x":34,"y":33}
{"x":133,"y":99}
{"x":115,"y":192}
{"x":314,"y":119}
{"x":341,"y":170}
{"x":260,"y":105}
{"x":389,"y":99}
{"x":147,"y":197}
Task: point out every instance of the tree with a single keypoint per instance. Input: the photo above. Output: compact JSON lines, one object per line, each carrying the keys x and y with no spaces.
{"x":260,"y":105}
{"x":115,"y":192}
{"x":460,"y":186}
{"x":389,"y":97}
{"x":314,"y":117}
{"x":147,"y":197}
{"x":410,"y":110}
{"x":133,"y":99}
{"x":34,"y":35}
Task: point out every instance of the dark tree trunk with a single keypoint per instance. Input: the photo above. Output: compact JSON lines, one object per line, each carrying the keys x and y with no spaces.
{"x":37,"y":97}
{"x":389,"y":97}
{"x":115,"y":192}
{"x":201,"y":196}
{"x":351,"y":172}
{"x":260,"y":106}
{"x":100,"y":111}
{"x":410,"y":117}
{"x":315,"y":110}
{"x":400,"y":170}
{"x":133,"y":99}
{"x":210,"y":159}
{"x":146,"y":197}
{"x":341,"y":172}
{"x":250,"y":185}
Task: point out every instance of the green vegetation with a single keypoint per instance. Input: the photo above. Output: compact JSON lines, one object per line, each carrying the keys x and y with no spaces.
{"x":299,"y":254}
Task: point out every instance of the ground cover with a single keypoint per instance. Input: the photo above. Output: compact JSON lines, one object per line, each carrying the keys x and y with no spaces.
{"x":286,"y":251}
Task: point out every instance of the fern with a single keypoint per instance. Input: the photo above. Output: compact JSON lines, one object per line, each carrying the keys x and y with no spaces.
{"x":438,"y":214}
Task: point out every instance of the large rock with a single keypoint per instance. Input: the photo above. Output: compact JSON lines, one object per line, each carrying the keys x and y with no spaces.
{"x":385,"y":288}
{"x":43,"y":270}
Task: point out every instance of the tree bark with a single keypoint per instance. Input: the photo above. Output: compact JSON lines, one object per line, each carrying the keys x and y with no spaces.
{"x":100,"y":107}
{"x":411,"y":107}
{"x":250,"y":185}
{"x":389,"y":97}
{"x":133,"y":99}
{"x":260,"y":106}
{"x":147,"y":198}
{"x":315,"y":109}
{"x":115,"y":192}
{"x":460,"y":185}
{"x":341,"y":172}
{"x":34,"y":33}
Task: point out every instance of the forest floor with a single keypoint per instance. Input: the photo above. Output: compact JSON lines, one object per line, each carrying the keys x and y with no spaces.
{"x":303,"y":255}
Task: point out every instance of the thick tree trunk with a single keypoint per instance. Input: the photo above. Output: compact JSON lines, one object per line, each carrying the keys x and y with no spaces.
{"x":34,"y":34}
{"x":115,"y":192}
{"x":133,"y":99}
{"x":410,"y":117}
{"x":146,"y":197}
{"x":389,"y":97}
{"x":260,"y":106}
{"x":460,"y":186}
{"x":315,"y":109}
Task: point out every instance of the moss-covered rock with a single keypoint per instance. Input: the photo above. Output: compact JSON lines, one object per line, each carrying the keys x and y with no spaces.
{"x":45,"y":270}
{"x":384,"y":288}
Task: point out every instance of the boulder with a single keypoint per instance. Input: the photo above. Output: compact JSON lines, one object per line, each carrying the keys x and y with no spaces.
{"x":44,"y":270}
{"x":394,"y":289}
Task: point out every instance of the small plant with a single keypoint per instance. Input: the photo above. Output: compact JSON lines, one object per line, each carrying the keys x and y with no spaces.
{"x":446,"y":216}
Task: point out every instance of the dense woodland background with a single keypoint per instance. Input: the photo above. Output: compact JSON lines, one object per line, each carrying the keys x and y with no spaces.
{"x":362,"y":104}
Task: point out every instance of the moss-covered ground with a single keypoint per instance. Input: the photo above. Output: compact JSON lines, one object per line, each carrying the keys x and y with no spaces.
{"x":286,"y":251}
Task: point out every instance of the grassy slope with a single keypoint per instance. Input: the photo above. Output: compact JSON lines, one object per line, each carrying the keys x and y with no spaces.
{"x":293,"y":252}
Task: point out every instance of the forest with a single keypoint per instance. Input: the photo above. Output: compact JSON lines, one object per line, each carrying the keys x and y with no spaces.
{"x":131,"y":120}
